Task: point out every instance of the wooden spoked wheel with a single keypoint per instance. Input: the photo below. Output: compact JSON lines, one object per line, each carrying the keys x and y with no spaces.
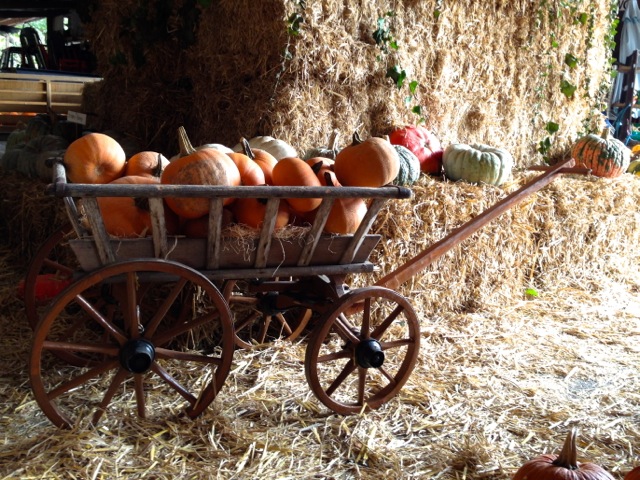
{"x":361,"y":353}
{"x":49,"y":272}
{"x":163,"y":338}
{"x":256,"y":318}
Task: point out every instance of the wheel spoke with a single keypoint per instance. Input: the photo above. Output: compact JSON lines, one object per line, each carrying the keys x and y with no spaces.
{"x":186,"y":356}
{"x":346,"y":371}
{"x":131,"y":310}
{"x":403,"y":342}
{"x":285,"y":325}
{"x":171,"y":333}
{"x":362,"y":382}
{"x":117,"y":380}
{"x":247,"y":321}
{"x":366,"y":319}
{"x":58,"y":267}
{"x":152,"y":326}
{"x":344,"y":353}
{"x":173,"y":383}
{"x":345,"y":330}
{"x":103,"y":322}
{"x":380,"y":329}
{"x":387,"y":375}
{"x":140,"y":396}
{"x":80,"y":379}
{"x":104,"y":349}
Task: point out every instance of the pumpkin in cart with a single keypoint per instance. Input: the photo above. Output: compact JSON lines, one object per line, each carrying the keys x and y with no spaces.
{"x":564,"y":466}
{"x":251,"y":212}
{"x":94,"y":158}
{"x":424,"y":145}
{"x":198,"y":167}
{"x":477,"y":163}
{"x":264,"y":159}
{"x":293,"y":171}
{"x":367,"y":163}
{"x":146,"y":163}
{"x":130,"y":217}
{"x":277,"y":148}
{"x":250,"y":171}
{"x":606,"y":157}
{"x":346,"y":214}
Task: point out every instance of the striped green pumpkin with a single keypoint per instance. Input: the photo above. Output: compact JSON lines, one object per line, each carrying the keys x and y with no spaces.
{"x":606,"y":157}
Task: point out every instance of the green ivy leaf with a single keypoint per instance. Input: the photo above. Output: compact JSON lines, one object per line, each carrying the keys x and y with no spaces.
{"x":417,"y":110}
{"x":567,"y":88}
{"x":571,"y":60}
{"x":397,"y":75}
{"x":552,"y":127}
{"x":413,"y":86}
{"x":532,"y":292}
{"x":583,"y":18}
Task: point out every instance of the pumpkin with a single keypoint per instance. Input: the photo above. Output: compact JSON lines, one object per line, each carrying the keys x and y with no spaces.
{"x":293,"y":171}
{"x":129,"y":217}
{"x":409,"y":172}
{"x":198,"y":167}
{"x":199,"y":227}
{"x":606,"y":157}
{"x":330,"y":151}
{"x":146,"y":163}
{"x":264,"y":159}
{"x":634,"y":167}
{"x":250,"y":211}
{"x":216,"y":146}
{"x":94,"y":158}
{"x":277,"y":148}
{"x":250,"y":171}
{"x":633,"y":474}
{"x":369,"y":163}
{"x":424,"y":145}
{"x":561,"y":467}
{"x":346,"y":214}
{"x":477,"y":163}
{"x":323,"y":167}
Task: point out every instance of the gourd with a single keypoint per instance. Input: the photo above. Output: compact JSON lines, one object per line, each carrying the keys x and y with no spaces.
{"x":369,"y":163}
{"x":277,"y":148}
{"x":146,"y":163}
{"x":477,"y":163}
{"x":293,"y":171}
{"x":198,"y":167}
{"x":94,"y":158}
{"x":250,"y":211}
{"x":561,"y":467}
{"x":633,"y":474}
{"x":330,"y":151}
{"x":264,"y":159}
{"x":409,"y":172}
{"x":424,"y":145}
{"x":634,"y":167}
{"x":130,"y":217}
{"x":606,"y":157}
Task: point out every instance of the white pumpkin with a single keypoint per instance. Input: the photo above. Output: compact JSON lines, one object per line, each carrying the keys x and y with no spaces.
{"x":477,"y":163}
{"x":216,"y":146}
{"x":278,"y":148}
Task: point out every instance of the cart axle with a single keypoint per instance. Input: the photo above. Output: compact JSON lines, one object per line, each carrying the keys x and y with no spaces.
{"x":369,"y":354}
{"x":137,"y":355}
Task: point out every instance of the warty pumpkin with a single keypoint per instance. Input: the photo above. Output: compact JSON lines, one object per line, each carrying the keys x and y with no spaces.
{"x":293,"y":171}
{"x":130,"y":217}
{"x":94,"y":158}
{"x":564,"y":466}
{"x":424,"y":145}
{"x":369,"y":163}
{"x":330,"y":151}
{"x":477,"y":163}
{"x":409,"y":172}
{"x":146,"y":163}
{"x":198,"y":167}
{"x":606,"y":157}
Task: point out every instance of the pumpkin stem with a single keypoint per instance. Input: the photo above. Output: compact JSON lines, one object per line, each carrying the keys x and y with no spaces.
{"x":333,"y":140}
{"x":316,"y":167}
{"x":157,"y":170}
{"x":356,"y":139}
{"x":605,"y":133}
{"x":247,"y":149}
{"x":568,"y":456}
{"x":328,"y":180}
{"x":186,"y":148}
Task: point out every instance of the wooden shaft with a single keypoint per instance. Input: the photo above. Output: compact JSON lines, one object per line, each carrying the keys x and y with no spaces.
{"x":421,"y":261}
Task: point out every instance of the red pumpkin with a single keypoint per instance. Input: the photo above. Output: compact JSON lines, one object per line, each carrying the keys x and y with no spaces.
{"x":633,"y":474}
{"x":561,"y":467}
{"x":424,"y":145}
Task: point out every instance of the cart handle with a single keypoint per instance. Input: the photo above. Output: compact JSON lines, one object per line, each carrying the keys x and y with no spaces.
{"x":421,"y":261}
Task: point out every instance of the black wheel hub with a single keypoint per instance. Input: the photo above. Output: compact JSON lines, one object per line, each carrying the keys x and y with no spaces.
{"x":369,"y":354}
{"x":137,"y":355}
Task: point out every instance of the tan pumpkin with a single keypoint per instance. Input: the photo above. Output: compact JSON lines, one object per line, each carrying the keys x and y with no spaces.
{"x":94,"y":158}
{"x":146,"y":163}
{"x":369,"y":163}
{"x":293,"y":171}
{"x":198,"y":167}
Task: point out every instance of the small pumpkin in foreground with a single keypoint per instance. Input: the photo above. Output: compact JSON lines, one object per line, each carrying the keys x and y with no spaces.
{"x":606,"y":157}
{"x":94,"y":158}
{"x":564,"y":466}
{"x":424,"y":145}
{"x":477,"y":163}
{"x":634,"y":167}
{"x":198,"y":167}
{"x":367,"y":163}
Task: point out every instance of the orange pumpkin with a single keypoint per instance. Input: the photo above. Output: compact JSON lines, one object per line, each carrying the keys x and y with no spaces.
{"x":346,"y":214}
{"x":369,"y":163}
{"x":94,"y":158}
{"x":264,"y":159}
{"x":250,"y":171}
{"x":293,"y":171}
{"x":199,"y":227}
{"x":129,"y":217}
{"x":250,"y":212}
{"x":198,"y":167}
{"x":146,"y":163}
{"x":324,"y":172}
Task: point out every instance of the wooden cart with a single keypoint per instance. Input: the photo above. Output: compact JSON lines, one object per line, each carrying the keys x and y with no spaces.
{"x":139,"y":320}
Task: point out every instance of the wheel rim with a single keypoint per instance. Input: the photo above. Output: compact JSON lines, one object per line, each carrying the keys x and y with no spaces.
{"x":256,"y":320}
{"x":362,"y":352}
{"x":166,"y":336}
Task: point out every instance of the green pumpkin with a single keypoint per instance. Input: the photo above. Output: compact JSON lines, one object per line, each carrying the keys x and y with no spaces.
{"x":634,"y":167}
{"x":409,"y":166}
{"x":477,"y":163}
